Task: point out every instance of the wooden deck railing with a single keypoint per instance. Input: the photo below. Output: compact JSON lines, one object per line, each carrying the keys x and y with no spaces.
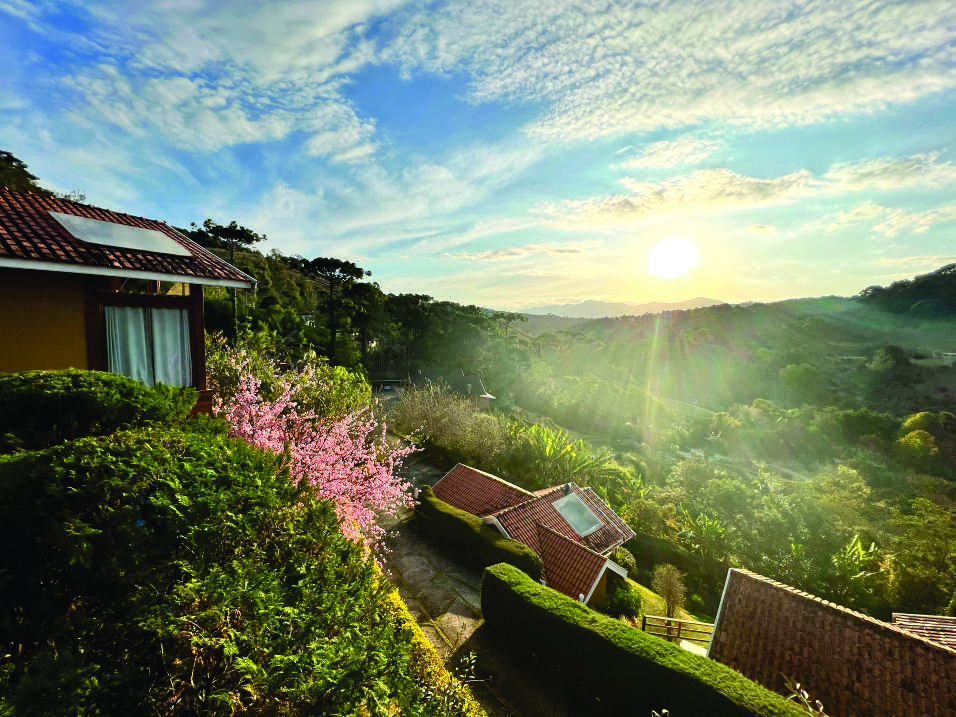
{"x":674,"y":629}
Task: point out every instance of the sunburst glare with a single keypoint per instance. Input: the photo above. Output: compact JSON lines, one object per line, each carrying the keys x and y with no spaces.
{"x":672,"y":257}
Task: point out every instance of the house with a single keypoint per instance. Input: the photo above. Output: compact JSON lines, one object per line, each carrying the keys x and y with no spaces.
{"x":90,"y":288}
{"x":569,"y":527}
{"x":853,"y":663}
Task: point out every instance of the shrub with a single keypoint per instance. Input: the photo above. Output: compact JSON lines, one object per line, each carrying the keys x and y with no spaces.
{"x":623,"y":598}
{"x":316,"y":387}
{"x":623,"y":557}
{"x":171,"y":572}
{"x":44,"y":408}
{"x":470,"y":539}
{"x":595,"y":654}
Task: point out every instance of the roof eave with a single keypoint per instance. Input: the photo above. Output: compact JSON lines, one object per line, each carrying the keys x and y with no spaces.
{"x":8,"y":263}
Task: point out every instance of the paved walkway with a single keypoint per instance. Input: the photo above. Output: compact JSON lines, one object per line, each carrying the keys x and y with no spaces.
{"x":444,"y":596}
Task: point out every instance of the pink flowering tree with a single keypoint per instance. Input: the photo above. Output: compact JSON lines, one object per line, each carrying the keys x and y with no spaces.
{"x":347,"y":460}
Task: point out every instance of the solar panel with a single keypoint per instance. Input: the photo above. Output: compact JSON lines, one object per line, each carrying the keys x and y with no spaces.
{"x":121,"y":236}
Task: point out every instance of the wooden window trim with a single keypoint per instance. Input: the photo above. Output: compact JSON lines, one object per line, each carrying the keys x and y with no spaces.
{"x":97,"y":298}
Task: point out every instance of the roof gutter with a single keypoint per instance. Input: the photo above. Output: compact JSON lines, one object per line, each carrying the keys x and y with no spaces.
{"x":124,"y":273}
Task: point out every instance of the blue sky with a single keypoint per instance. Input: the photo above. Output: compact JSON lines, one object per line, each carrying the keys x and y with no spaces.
{"x":511,"y":154}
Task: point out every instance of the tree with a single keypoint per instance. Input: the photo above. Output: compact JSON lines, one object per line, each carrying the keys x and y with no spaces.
{"x":368,"y":303}
{"x":225,"y":236}
{"x":668,"y":582}
{"x":15,"y":175}
{"x":338,"y":275}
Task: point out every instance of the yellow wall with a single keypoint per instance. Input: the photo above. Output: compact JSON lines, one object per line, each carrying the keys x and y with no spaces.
{"x":41,"y":320}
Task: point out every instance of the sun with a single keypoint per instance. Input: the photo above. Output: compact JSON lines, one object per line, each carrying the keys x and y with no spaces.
{"x":672,"y":257}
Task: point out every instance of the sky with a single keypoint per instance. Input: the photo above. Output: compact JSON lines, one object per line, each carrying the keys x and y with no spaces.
{"x":512,"y":153}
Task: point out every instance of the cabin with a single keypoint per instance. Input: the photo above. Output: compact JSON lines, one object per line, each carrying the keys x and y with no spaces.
{"x":90,"y":288}
{"x":569,"y":527}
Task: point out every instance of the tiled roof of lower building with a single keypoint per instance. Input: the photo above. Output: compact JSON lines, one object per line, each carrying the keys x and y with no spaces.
{"x":477,"y":492}
{"x":520,"y":521}
{"x":569,"y":567}
{"x":940,"y":629}
{"x":30,"y":237}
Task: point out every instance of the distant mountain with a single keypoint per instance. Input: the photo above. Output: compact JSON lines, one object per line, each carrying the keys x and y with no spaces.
{"x":600,"y":309}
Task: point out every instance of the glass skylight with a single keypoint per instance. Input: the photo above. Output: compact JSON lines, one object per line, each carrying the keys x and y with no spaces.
{"x":120,"y":236}
{"x":578,"y":515}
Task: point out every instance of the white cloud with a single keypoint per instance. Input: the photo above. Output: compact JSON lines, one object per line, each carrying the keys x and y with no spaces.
{"x":709,"y":191}
{"x":890,"y":221}
{"x":604,"y":70}
{"x":527,"y":250}
{"x":674,"y":153}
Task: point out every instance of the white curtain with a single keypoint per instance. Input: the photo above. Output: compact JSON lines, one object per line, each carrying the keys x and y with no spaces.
{"x":150,"y":345}
{"x":127,"y":345}
{"x":171,"y":361}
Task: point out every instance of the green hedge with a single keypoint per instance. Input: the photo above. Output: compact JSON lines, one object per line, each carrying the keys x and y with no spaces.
{"x":180,"y":572}
{"x":611,"y":668}
{"x":470,"y":539}
{"x":39,"y":409}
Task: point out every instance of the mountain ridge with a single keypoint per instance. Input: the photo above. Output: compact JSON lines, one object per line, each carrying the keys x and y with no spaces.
{"x":593,"y":309}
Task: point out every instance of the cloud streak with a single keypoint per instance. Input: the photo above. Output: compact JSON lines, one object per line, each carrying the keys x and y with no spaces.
{"x":608,"y":70}
{"x":711,"y":191}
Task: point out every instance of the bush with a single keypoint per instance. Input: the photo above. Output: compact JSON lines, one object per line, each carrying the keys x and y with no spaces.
{"x":623,"y":598}
{"x":44,"y":408}
{"x":470,"y":539}
{"x":171,"y":572}
{"x":623,"y":557}
{"x":595,"y":655}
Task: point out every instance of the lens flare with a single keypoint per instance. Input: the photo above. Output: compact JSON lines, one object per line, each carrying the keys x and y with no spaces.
{"x":672,"y":257}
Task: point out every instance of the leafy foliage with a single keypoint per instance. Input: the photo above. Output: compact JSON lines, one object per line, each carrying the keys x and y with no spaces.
{"x":44,"y":408}
{"x":182,"y":572}
{"x":623,"y":598}
{"x":346,"y":460}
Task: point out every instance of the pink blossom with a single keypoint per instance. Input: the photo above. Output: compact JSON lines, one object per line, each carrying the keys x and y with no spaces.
{"x":346,"y":460}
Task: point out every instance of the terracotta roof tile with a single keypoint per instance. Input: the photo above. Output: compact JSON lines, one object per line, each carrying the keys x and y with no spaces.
{"x":935,"y":628}
{"x":29,"y":233}
{"x":477,"y":492}
{"x":569,"y":567}
{"x":519,"y":521}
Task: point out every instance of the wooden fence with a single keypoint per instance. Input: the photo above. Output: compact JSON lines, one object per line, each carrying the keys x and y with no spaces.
{"x":675,"y":630}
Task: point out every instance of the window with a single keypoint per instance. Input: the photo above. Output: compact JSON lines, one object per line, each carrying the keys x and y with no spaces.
{"x":148,"y":344}
{"x":578,"y":515}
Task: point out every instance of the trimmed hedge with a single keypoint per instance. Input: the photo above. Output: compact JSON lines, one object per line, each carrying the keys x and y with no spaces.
{"x":427,"y":667}
{"x":180,"y":572}
{"x":46,"y":408}
{"x":614,"y":669}
{"x":470,"y":539}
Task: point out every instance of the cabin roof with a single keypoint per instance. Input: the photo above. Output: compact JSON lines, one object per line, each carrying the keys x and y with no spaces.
{"x":520,"y":521}
{"x":569,"y":567}
{"x":477,"y":492}
{"x":940,"y":629}
{"x":32,"y":238}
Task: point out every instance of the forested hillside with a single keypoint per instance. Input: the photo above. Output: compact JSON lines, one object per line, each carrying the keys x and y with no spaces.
{"x":812,"y":440}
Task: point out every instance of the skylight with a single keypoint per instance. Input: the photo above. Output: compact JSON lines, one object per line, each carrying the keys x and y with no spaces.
{"x":120,"y":236}
{"x":578,"y":515}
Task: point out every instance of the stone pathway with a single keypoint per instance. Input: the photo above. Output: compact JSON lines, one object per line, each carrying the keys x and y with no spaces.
{"x":444,"y":596}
